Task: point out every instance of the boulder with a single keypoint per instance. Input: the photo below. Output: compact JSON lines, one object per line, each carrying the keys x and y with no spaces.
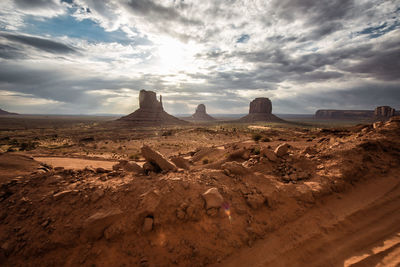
{"x":128,"y":166}
{"x":282,"y":150}
{"x":181,"y":162}
{"x":234,"y":168}
{"x":212,"y":198}
{"x":239,"y":154}
{"x":98,"y":222}
{"x":270,"y":155}
{"x":156,"y":158}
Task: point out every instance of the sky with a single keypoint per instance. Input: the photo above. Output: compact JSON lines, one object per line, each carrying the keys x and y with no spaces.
{"x":93,"y":56}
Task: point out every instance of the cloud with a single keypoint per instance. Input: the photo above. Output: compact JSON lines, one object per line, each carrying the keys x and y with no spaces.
{"x":39,"y":43}
{"x":304,"y":55}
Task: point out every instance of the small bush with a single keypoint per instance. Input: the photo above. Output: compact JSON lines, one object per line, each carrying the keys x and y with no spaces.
{"x":134,"y":157}
{"x":265,"y":139}
{"x":256,"y":137}
{"x":256,"y":151}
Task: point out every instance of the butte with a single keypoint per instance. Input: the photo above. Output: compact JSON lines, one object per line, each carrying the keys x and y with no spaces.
{"x":260,"y":110}
{"x":201,"y":114}
{"x":150,"y":112}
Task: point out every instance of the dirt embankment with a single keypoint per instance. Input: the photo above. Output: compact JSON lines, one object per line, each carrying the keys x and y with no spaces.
{"x":332,"y":202}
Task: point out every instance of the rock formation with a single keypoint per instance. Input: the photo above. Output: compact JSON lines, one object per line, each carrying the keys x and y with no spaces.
{"x":384,"y":112}
{"x":201,"y":114}
{"x":380,"y":113}
{"x":343,"y":114}
{"x":260,"y":110}
{"x":3,"y":112}
{"x":150,"y":112}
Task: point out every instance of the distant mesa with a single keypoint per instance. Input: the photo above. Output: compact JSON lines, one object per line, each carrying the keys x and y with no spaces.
{"x":150,"y":112}
{"x":343,"y":114}
{"x":380,"y":113}
{"x":384,"y":112}
{"x":3,"y":112}
{"x":201,"y":114}
{"x":260,"y":110}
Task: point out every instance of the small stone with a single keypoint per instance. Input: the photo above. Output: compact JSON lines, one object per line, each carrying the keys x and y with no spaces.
{"x":212,"y":198}
{"x":282,"y":150}
{"x":147,"y":225}
{"x":101,"y":170}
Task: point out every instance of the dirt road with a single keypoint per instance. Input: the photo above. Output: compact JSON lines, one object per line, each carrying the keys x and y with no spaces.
{"x":356,"y":228}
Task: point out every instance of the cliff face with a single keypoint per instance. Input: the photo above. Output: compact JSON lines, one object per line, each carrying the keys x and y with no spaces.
{"x":260,"y":110}
{"x":150,"y":112}
{"x":261,"y":105}
{"x":148,"y":100}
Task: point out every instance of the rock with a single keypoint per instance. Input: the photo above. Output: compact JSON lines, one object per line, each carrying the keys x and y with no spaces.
{"x":99,"y":193}
{"x":239,"y":154}
{"x":147,"y":224}
{"x":149,"y":202}
{"x":255,"y":201}
{"x":64,"y":193}
{"x":282,"y":150}
{"x":156,"y":158}
{"x":260,"y":110}
{"x":234,"y":168}
{"x":201,"y":115}
{"x":128,"y":167}
{"x":181,"y":162}
{"x":268,"y":154}
{"x":101,"y":170}
{"x":377,"y":124}
{"x":98,"y":222}
{"x":148,"y":167}
{"x":212,"y":198}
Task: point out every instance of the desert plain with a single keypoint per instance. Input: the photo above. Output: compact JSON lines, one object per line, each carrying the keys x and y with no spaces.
{"x":94,"y":191}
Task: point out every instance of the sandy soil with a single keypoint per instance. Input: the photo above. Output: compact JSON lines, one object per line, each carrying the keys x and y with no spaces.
{"x":76,"y":164}
{"x":325,"y":197}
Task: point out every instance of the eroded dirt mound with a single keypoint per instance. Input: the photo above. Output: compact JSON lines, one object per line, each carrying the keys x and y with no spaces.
{"x":13,"y":165}
{"x":226,"y":199}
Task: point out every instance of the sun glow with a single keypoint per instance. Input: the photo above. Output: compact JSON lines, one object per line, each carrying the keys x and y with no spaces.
{"x":175,"y":56}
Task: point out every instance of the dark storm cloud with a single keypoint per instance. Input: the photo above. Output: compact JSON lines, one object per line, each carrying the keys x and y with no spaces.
{"x":158,"y":12}
{"x":39,"y":43}
{"x":35,"y":4}
{"x":314,"y":12}
{"x":383,"y":65}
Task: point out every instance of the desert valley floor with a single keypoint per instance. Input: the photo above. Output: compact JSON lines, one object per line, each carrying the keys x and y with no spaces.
{"x":85,"y":191}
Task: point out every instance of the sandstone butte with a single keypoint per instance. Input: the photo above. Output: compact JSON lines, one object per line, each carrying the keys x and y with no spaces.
{"x":150,"y":112}
{"x":201,"y":114}
{"x":260,"y":110}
